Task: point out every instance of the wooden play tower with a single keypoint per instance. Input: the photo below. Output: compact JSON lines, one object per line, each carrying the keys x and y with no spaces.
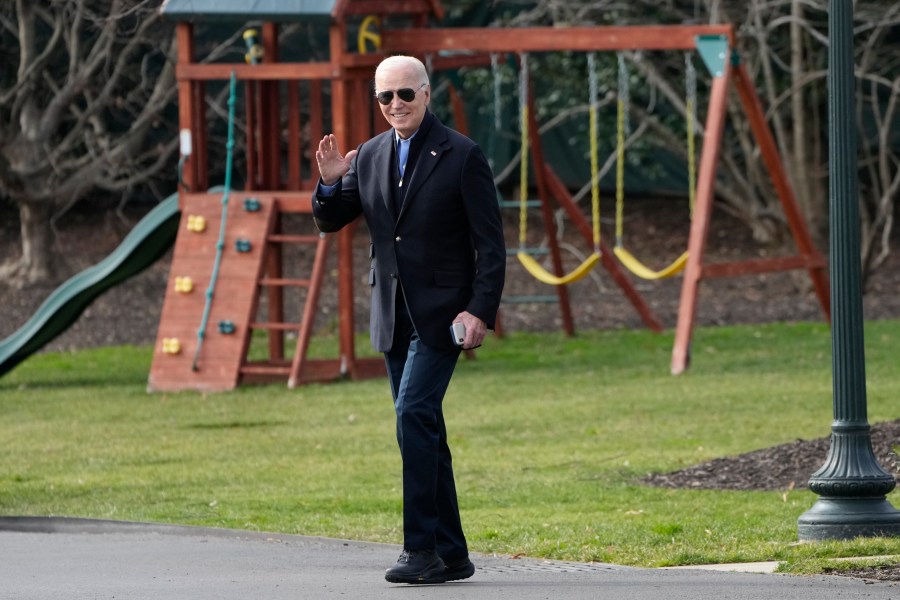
{"x":204,"y":339}
{"x":231,"y":244}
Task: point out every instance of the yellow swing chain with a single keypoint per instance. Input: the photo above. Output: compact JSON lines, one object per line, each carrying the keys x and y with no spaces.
{"x":523,"y":169}
{"x":622,"y":125}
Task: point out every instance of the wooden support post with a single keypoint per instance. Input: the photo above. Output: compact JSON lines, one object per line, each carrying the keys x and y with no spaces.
{"x":201,"y":137}
{"x":294,"y":136}
{"x":186,"y":111}
{"x":459,"y":113}
{"x":316,"y":132}
{"x":261,"y":137}
{"x":250,"y":117}
{"x":269,"y":175}
{"x":361,"y":125}
{"x":272,"y":112}
{"x":346,"y":318}
{"x":537,"y":158}
{"x":340,"y":118}
{"x":709,"y":159}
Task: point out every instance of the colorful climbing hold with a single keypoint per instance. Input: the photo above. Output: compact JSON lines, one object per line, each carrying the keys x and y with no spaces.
{"x":184,"y":285}
{"x":171,"y":346}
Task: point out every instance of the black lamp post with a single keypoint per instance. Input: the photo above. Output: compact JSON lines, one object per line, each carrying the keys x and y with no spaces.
{"x":851,"y":484}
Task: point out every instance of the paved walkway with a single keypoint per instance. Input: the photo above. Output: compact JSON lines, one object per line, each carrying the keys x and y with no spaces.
{"x":74,"y":559}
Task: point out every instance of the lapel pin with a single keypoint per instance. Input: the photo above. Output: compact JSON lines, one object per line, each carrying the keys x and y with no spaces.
{"x":433,"y":153}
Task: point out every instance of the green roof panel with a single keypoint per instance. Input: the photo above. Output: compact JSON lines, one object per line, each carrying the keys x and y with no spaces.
{"x":244,"y":10}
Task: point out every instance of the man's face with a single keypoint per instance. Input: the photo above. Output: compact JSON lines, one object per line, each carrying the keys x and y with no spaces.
{"x":403,"y":116}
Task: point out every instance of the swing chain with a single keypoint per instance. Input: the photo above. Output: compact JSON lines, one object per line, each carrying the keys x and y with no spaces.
{"x":624,"y":92}
{"x":623,"y":127}
{"x":592,"y":79}
{"x":523,"y":79}
{"x":495,"y":72}
{"x":594,"y":133}
{"x":691,"y":120}
{"x":691,"y":84}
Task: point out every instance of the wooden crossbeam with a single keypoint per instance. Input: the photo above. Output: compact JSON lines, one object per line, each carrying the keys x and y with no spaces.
{"x":551,"y":39}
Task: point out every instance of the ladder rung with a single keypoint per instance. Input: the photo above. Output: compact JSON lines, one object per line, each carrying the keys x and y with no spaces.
{"x":284,"y":282}
{"x":529,"y":299}
{"x":276,"y":326}
{"x":285,"y":238}
{"x":530,"y":251}
{"x":518,"y":203}
{"x":261,"y":369}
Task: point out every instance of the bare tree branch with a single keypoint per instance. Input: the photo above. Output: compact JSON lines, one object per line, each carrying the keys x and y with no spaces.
{"x":93,"y":80}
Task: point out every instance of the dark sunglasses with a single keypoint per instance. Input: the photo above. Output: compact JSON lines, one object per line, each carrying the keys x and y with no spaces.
{"x":405,"y":94}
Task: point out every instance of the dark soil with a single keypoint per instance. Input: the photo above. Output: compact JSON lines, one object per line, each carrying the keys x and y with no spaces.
{"x":129,"y":313}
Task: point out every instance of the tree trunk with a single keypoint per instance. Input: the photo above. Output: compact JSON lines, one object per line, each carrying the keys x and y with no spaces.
{"x":37,"y":263}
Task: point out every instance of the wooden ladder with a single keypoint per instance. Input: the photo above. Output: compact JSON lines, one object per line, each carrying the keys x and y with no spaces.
{"x":276,"y":367}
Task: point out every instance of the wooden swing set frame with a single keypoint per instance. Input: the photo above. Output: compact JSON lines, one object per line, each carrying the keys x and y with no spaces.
{"x":732,"y":72}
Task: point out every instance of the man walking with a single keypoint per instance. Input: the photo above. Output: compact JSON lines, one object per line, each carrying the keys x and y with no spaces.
{"x":438,"y":258}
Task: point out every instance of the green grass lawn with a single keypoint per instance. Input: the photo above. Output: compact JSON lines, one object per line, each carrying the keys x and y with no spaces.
{"x":550,"y":436}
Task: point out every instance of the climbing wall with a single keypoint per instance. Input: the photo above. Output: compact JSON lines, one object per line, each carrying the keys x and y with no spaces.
{"x":181,"y":359}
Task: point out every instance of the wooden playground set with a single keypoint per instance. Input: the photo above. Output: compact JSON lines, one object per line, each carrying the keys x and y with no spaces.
{"x":231,"y":243}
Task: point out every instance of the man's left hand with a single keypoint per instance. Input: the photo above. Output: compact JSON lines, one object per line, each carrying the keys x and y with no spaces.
{"x":476,"y":329}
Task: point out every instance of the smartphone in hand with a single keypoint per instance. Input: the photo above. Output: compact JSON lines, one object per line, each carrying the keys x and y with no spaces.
{"x":458,"y":333}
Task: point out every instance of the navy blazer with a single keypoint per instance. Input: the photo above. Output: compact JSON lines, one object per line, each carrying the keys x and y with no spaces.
{"x":445,"y":250}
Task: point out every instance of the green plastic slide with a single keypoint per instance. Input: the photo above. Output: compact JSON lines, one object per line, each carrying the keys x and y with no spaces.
{"x":143,"y":246}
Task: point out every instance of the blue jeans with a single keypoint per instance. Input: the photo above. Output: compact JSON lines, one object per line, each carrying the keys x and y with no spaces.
{"x":419,"y":378}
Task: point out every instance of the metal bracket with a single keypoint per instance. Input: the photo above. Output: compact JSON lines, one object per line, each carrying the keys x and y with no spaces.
{"x":714,"y":51}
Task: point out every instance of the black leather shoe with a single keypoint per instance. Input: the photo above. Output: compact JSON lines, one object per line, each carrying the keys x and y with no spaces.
{"x":459,"y":569}
{"x":423,"y":566}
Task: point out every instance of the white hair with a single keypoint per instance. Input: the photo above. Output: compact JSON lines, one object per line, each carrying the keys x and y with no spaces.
{"x":410,"y":63}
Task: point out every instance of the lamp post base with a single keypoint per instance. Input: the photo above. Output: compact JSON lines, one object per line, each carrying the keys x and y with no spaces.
{"x":847,"y":518}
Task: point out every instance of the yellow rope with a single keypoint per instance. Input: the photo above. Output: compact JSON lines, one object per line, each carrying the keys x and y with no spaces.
{"x":620,"y":170}
{"x":523,"y":181}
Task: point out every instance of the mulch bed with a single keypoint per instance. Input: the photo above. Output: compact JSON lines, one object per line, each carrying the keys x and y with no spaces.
{"x":783,"y":467}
